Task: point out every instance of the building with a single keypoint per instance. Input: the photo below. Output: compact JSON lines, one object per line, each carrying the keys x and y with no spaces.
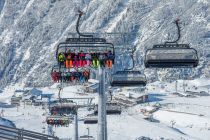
{"x":131,"y":98}
{"x":35,"y":92}
{"x":15,"y":100}
{"x":39,"y":102}
{"x":92,"y":88}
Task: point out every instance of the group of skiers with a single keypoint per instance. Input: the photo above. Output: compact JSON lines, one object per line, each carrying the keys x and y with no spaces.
{"x":58,"y":116}
{"x":63,"y":122}
{"x":75,"y":60}
{"x":76,"y":76}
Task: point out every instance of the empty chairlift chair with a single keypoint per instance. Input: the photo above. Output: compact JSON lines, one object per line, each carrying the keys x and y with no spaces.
{"x":171,"y":54}
{"x":129,"y":77}
{"x":91,"y":120}
{"x":111,"y":108}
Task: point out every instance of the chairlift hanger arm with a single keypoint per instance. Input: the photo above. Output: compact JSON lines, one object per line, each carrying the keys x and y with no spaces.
{"x":59,"y":94}
{"x":77,"y":26}
{"x":133,"y":63}
{"x":179,"y":33}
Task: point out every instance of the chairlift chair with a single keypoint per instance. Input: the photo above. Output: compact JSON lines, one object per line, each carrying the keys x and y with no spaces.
{"x":128,"y":77}
{"x":111,"y":108}
{"x":171,"y":54}
{"x":91,"y":120}
{"x":87,"y":44}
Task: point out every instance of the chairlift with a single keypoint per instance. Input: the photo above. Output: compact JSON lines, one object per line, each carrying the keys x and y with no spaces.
{"x":91,"y":120}
{"x":63,"y":108}
{"x":86,"y":45}
{"x":171,"y":54}
{"x":111,"y":108}
{"x":129,"y":77}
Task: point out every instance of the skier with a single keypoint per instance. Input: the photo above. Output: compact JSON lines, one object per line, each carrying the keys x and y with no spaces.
{"x":65,"y":76}
{"x":76,"y":76}
{"x":76,"y":60}
{"x":72,"y":57}
{"x":110,"y":59}
{"x":61,"y":59}
{"x":68,"y":60}
{"x":95,"y":60}
{"x":88,"y":59}
{"x":59,"y":76}
{"x":54,"y":76}
{"x":102,"y":58}
{"x":68,"y":76}
{"x":82,"y":60}
{"x":72,"y":77}
{"x":86,"y":75}
{"x":81,"y":77}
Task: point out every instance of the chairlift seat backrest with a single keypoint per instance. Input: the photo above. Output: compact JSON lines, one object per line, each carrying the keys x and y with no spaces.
{"x":111,"y":108}
{"x":170,"y":46}
{"x":128,"y":78}
{"x":58,"y":118}
{"x":171,"y":55}
{"x":128,"y":72}
{"x":86,"y":45}
{"x":85,"y":40}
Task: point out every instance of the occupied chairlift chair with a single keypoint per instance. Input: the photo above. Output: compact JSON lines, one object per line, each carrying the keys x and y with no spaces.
{"x":87,"y":44}
{"x":62,"y":106}
{"x":129,"y":77}
{"x":58,"y":120}
{"x":61,"y":111}
{"x":171,"y":54}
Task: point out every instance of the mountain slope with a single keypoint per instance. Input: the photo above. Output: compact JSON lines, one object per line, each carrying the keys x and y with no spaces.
{"x":29,"y":31}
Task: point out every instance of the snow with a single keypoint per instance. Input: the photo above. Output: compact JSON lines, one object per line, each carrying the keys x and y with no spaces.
{"x":182,"y":119}
{"x":116,"y":20}
{"x":36,"y":27}
{"x":200,"y":82}
{"x":190,"y":114}
{"x":204,"y":1}
{"x":30,"y":31}
{"x":6,"y":122}
{"x":27,"y":54}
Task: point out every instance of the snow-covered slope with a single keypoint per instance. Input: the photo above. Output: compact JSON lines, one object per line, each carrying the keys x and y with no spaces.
{"x":29,"y":30}
{"x":6,"y":122}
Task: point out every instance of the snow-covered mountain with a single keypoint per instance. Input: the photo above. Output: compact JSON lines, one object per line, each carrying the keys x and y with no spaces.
{"x":30,"y":30}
